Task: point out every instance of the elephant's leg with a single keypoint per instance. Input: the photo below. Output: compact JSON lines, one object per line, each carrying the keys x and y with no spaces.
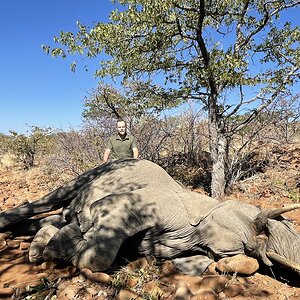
{"x":68,"y":244}
{"x":47,"y":228}
{"x":40,"y":241}
{"x":114,"y":218}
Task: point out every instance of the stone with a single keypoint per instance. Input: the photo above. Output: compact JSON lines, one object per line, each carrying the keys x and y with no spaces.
{"x":168,"y":268}
{"x":141,"y":263}
{"x":193,"y":265}
{"x":100,"y":277}
{"x":193,"y":282}
{"x":69,"y":292}
{"x":234,"y":289}
{"x":182,"y":292}
{"x":5,"y":235}
{"x":132,"y":282}
{"x":2,"y":244}
{"x":48,"y":265}
{"x":240,"y":264}
{"x":6,"y":292}
{"x":24,"y":245}
{"x":67,"y":272}
{"x":214,"y":282}
{"x":128,"y":295}
{"x":153,"y":289}
{"x":205,"y":294}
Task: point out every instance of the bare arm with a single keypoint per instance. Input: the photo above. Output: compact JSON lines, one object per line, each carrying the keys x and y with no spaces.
{"x":135,"y":152}
{"x":106,"y":155}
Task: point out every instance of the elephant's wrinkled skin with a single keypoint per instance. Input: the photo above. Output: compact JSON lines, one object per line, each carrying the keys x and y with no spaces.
{"x":136,"y":200}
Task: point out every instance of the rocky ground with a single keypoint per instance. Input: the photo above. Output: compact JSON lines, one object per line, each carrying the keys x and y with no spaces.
{"x":146,"y":278}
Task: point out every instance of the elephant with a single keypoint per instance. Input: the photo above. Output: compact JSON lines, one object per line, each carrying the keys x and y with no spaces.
{"x":135,"y":204}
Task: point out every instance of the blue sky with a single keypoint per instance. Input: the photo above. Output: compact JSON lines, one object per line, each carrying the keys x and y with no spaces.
{"x":35,"y":88}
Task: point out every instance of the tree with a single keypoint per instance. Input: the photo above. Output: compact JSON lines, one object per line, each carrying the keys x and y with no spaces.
{"x":131,"y":103}
{"x":26,"y":147}
{"x":232,"y":56}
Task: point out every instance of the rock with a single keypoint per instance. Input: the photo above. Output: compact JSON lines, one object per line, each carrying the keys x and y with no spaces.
{"x":168,"y":268}
{"x":193,"y":265}
{"x":128,"y":295}
{"x":87,"y":274}
{"x":240,"y":263}
{"x":6,"y":292}
{"x":234,"y":289}
{"x":192,"y":282}
{"x":205,"y":294}
{"x":24,"y":245}
{"x":214,"y":282}
{"x":182,"y":291}
{"x":68,"y":293}
{"x":132,"y":282}
{"x":141,"y":263}
{"x":212,"y":268}
{"x":48,"y":265}
{"x":67,"y":272}
{"x":153,"y":289}
{"x":2,"y":244}
{"x":13,"y":243}
{"x":5,"y":235}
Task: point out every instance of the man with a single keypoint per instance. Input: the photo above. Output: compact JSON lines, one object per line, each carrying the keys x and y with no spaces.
{"x":121,"y":145}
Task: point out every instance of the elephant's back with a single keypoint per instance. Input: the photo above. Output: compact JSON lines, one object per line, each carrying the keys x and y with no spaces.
{"x":123,"y":176}
{"x":128,"y":175}
{"x":140,"y":173}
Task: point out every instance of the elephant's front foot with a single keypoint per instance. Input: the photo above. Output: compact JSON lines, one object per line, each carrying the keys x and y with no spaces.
{"x":62,"y":246}
{"x":69,"y":245}
{"x":40,"y":242}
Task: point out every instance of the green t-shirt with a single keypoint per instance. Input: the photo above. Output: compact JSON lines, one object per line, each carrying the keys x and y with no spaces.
{"x":121,"y":148}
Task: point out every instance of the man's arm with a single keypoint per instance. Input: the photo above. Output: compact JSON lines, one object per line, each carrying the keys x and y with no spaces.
{"x":106,"y":155}
{"x":135,"y":152}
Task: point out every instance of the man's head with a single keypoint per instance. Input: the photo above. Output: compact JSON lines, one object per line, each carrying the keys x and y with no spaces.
{"x":121,"y":128}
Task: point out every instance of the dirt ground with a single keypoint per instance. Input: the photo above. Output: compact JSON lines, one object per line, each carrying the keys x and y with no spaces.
{"x":19,"y":279}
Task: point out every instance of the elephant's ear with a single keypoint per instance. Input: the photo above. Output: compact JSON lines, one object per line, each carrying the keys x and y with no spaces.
{"x":197,"y":206}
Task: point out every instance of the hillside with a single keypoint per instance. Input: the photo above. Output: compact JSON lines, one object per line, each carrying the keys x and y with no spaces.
{"x":275,"y":185}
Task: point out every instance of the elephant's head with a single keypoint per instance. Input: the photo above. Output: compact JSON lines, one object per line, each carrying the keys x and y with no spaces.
{"x":276,"y":239}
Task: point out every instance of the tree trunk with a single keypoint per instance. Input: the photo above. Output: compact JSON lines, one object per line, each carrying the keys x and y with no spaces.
{"x":218,"y":167}
{"x":217,"y":152}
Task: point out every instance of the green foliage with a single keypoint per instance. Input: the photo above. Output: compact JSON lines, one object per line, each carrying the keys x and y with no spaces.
{"x":4,"y":143}
{"x":25,"y":148}
{"x":195,"y":44}
{"x":136,"y":100}
{"x":210,"y":51}
{"x":206,"y":50}
{"x":75,"y":152}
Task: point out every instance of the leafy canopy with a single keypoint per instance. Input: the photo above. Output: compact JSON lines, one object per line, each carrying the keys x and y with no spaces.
{"x":197,"y":47}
